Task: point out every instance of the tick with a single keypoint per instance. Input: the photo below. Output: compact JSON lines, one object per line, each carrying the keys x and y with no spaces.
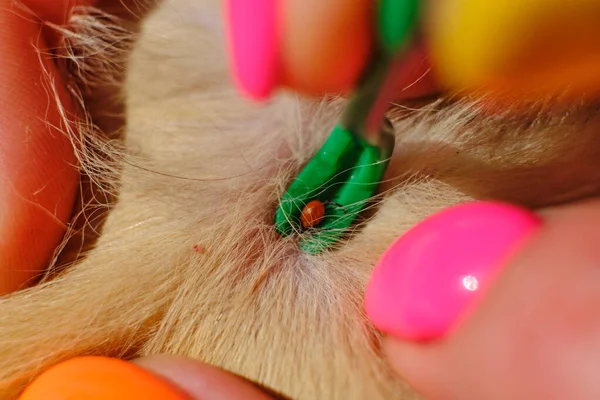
{"x":312,"y":214}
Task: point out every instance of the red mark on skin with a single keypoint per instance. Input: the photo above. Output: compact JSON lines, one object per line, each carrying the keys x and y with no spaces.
{"x":198,"y":249}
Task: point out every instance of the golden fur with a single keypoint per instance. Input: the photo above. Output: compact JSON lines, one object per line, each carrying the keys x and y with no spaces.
{"x":187,"y":261}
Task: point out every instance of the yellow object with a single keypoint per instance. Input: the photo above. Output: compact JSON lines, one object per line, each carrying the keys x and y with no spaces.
{"x":520,"y":47}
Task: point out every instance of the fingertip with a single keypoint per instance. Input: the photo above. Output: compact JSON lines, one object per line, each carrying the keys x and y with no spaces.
{"x":523,"y":338}
{"x":155,"y":377}
{"x":39,"y":175}
{"x":417,"y":364}
{"x":325,"y":44}
{"x":525,"y":49}
{"x":309,"y":46}
{"x":100,"y":378}
{"x":253,"y":40}
{"x":437,"y":272}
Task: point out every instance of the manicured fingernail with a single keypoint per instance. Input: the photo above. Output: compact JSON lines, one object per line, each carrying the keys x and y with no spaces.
{"x":91,"y":378}
{"x":253,"y":45}
{"x":434,"y":273}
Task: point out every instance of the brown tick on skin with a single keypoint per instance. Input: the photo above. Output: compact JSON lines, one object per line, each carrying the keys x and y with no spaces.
{"x":312,"y":214}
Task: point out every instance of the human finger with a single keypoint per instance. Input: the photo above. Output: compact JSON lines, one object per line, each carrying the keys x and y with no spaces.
{"x":521,"y":322}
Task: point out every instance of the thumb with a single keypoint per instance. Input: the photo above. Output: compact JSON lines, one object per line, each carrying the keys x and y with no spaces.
{"x":535,"y":334}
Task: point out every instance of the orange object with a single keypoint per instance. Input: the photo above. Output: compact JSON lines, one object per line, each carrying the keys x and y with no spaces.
{"x":100,"y":378}
{"x":312,"y":214}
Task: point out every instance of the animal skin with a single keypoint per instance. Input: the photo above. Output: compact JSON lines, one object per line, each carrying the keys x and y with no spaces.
{"x":173,"y":248}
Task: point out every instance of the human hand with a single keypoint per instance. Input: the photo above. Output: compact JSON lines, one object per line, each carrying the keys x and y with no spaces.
{"x":522,"y":50}
{"x":39,"y":167}
{"x":486,"y":301}
{"x":311,"y":46}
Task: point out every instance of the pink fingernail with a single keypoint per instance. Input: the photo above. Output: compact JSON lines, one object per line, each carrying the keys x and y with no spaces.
{"x":253,"y":45}
{"x":434,"y":273}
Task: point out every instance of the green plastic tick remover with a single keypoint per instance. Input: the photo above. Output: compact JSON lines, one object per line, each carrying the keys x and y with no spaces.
{"x":345,"y":172}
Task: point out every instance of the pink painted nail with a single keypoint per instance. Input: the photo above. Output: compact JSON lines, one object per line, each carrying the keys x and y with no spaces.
{"x":253,"y":45}
{"x":433,"y":274}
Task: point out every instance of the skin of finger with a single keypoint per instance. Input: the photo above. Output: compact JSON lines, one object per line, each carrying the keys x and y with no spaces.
{"x":39,"y":178}
{"x":55,"y":11}
{"x":200,"y":380}
{"x":536,"y":334}
{"x":419,"y":80}
{"x":326,"y":44}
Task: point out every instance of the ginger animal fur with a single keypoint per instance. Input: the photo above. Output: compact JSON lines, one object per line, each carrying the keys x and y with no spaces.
{"x":187,"y":261}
